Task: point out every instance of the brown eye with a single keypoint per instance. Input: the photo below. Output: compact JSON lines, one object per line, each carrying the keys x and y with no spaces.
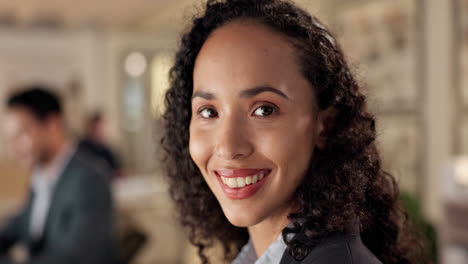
{"x":265,"y":110}
{"x":208,"y":113}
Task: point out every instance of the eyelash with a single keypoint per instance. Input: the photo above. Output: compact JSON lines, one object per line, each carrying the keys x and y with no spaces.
{"x":272,"y":106}
{"x":205,"y":108}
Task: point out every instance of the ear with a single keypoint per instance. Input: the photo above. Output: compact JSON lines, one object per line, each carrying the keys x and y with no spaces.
{"x":325,"y":123}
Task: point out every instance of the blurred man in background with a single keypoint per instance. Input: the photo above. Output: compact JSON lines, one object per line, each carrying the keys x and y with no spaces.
{"x":68,"y":216}
{"x":95,"y":142}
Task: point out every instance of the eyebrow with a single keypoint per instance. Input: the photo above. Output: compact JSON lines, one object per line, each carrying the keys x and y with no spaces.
{"x":246,"y":93}
{"x":261,"y":89}
{"x":204,"y":95}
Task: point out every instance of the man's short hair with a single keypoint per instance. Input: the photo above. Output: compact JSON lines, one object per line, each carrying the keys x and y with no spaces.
{"x":38,"y":99}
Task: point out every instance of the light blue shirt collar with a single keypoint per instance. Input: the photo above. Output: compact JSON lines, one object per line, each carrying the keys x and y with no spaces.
{"x":272,"y":255}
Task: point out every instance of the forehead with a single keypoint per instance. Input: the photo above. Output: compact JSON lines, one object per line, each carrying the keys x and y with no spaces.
{"x":245,"y":53}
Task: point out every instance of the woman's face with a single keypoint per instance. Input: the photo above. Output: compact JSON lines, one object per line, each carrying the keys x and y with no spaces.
{"x":253,"y":126}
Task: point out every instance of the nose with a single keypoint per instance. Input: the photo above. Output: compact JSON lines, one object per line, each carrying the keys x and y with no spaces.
{"x":232,"y":140}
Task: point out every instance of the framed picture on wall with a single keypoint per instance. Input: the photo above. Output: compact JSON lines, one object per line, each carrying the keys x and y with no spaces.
{"x":400,"y":140}
{"x":461,"y":51}
{"x":462,"y":131}
{"x":381,"y":40}
{"x":460,"y":55}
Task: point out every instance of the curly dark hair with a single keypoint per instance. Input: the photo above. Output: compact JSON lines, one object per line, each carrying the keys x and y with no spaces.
{"x":345,"y":180}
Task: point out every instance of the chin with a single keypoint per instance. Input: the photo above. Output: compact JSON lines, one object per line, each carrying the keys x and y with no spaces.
{"x":242,"y":218}
{"x":241,"y":221}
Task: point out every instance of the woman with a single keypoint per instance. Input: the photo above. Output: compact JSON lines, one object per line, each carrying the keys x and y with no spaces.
{"x":271,"y":150}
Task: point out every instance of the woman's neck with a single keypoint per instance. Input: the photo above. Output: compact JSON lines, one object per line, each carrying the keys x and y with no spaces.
{"x":266,"y":232}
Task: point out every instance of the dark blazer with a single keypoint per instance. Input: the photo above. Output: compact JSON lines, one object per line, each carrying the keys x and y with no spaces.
{"x":78,"y":228}
{"x":337,"y":249}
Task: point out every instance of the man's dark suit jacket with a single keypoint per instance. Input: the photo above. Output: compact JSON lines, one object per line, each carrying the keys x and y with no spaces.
{"x":78,"y":228}
{"x":337,"y":249}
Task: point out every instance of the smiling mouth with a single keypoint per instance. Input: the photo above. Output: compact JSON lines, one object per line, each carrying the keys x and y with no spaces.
{"x":239,"y":178}
{"x":239,"y":182}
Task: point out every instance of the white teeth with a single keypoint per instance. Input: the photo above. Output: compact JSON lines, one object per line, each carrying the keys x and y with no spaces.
{"x":231,"y":182}
{"x":255,"y":178}
{"x":248,"y":180}
{"x":240,"y":182}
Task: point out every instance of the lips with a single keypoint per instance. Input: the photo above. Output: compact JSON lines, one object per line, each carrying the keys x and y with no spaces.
{"x":241,"y":183}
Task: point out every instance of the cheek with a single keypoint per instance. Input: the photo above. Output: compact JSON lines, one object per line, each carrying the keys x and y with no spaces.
{"x":25,"y":144}
{"x":304,"y":137}
{"x":200,"y":148}
{"x":291,"y":145}
{"x":37,"y":141}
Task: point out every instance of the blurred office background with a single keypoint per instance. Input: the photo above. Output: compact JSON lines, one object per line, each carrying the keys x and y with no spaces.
{"x":113,"y":57}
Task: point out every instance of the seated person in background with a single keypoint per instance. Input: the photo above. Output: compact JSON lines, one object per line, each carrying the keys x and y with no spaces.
{"x":95,"y":142}
{"x":68,"y":216}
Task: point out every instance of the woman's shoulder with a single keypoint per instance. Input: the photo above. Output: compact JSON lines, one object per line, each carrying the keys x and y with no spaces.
{"x":339,"y":248}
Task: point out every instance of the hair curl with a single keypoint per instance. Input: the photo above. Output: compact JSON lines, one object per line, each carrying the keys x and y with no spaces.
{"x":345,"y":180}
